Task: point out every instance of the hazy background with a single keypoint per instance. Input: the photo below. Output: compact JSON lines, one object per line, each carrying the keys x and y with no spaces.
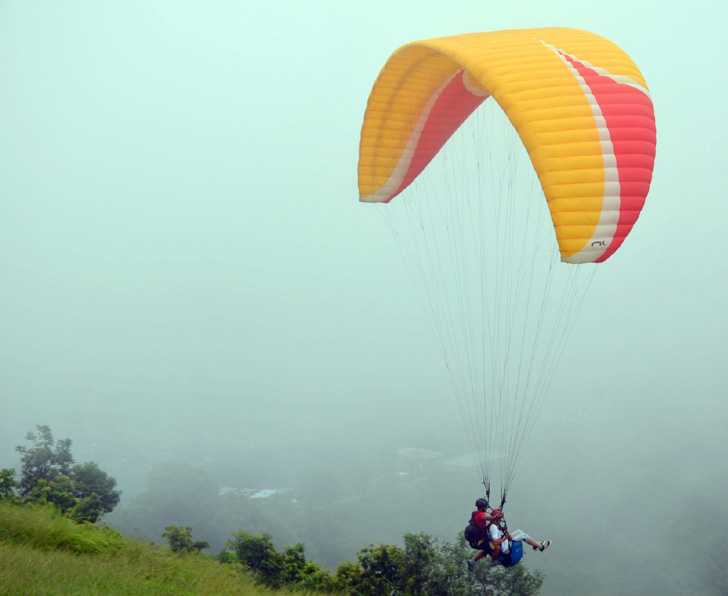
{"x":188,"y":280}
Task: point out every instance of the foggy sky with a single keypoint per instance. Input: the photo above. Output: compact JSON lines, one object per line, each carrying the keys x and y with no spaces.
{"x":183,"y":255}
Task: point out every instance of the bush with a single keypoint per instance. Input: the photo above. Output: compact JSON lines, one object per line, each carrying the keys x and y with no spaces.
{"x":7,"y":484}
{"x":257,"y":553}
{"x":180,"y":540}
{"x":276,"y":569}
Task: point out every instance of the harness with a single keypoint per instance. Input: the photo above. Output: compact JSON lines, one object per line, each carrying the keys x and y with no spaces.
{"x":515,"y":551}
{"x":479,"y":539}
{"x":477,"y":536}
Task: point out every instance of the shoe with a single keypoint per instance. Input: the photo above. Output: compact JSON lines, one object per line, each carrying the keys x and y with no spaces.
{"x":544,"y":545}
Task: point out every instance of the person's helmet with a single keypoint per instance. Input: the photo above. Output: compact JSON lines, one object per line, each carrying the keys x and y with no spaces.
{"x":496,"y":514}
{"x":481,"y":504}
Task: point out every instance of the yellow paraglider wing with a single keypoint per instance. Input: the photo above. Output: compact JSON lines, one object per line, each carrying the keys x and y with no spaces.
{"x":578,"y":102}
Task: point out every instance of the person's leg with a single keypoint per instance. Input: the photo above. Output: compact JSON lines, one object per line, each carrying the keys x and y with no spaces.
{"x":521,"y":535}
{"x":472,"y":561}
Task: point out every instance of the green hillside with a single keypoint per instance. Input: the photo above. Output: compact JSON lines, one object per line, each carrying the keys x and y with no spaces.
{"x":43,"y":553}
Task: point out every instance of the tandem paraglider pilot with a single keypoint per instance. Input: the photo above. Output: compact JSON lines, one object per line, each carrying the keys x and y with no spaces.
{"x":488,"y":534}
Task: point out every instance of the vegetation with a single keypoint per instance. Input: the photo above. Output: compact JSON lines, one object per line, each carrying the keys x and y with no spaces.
{"x":48,"y":474}
{"x":44,"y":527}
{"x":276,"y":569}
{"x":51,"y":543}
{"x":180,"y":540}
{"x":423,"y":566}
{"x":43,"y":552}
{"x":8,"y":485}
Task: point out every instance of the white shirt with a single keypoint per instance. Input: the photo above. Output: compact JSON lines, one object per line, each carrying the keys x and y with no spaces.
{"x":496,"y":534}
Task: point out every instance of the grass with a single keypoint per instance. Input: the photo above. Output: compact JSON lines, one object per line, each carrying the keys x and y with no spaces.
{"x":44,"y":528}
{"x":42,"y":553}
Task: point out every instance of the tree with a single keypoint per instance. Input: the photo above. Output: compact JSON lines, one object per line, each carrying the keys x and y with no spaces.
{"x":45,"y":459}
{"x":84,"y":492}
{"x":256,"y":552}
{"x":315,"y":579}
{"x":382,"y":568}
{"x":277,"y":569}
{"x":94,"y":490}
{"x":7,"y":483}
{"x":424,"y":566}
{"x":419,"y":565}
{"x":58,"y":491}
{"x":180,"y":540}
{"x":516,"y":580}
{"x":293,"y":563}
{"x":348,"y":576}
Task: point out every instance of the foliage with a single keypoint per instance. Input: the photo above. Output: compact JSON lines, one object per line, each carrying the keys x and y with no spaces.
{"x":381,"y":570}
{"x":348,"y":575}
{"x":56,"y":491}
{"x":84,"y":492}
{"x":45,"y":459}
{"x":418,"y":566}
{"x":7,"y":483}
{"x":423,"y":566}
{"x":43,"y":527}
{"x":275,"y":569}
{"x":514,"y":580}
{"x":43,"y":552}
{"x":256,"y":551}
{"x":180,"y":540}
{"x":94,"y":490}
{"x":316,"y":579}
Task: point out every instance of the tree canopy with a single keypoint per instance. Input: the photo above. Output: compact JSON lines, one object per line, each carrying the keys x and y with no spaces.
{"x":49,"y":474}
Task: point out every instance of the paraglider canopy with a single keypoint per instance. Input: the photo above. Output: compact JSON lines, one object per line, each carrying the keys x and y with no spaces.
{"x":578,"y":102}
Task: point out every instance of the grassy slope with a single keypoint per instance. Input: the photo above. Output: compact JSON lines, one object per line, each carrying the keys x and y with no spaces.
{"x":43,"y":553}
